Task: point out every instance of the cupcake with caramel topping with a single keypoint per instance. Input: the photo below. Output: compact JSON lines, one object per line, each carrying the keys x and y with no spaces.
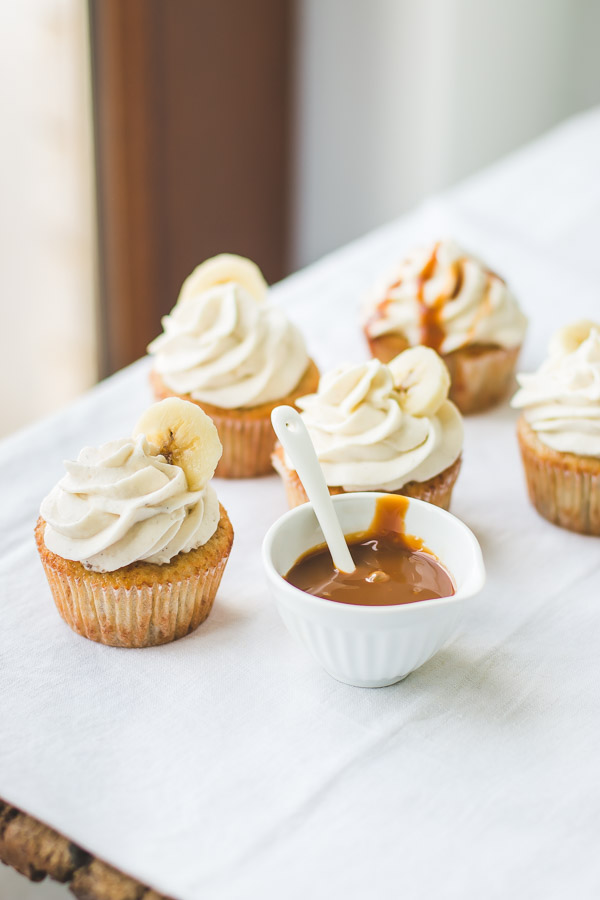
{"x":229,"y":350}
{"x":559,"y":430}
{"x":379,"y":427}
{"x":446,"y":299}
{"x":133,"y":539}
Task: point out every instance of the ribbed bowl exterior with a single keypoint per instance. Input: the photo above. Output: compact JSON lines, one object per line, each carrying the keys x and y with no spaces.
{"x":376,"y":657}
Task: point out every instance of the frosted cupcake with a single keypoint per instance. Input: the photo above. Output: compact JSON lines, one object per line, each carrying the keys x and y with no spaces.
{"x":228,"y":349}
{"x":379,"y":427}
{"x":446,"y":299}
{"x":133,"y":539}
{"x":559,"y":430}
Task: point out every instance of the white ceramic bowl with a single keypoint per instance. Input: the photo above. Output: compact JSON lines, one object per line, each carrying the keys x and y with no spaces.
{"x":372,"y":646}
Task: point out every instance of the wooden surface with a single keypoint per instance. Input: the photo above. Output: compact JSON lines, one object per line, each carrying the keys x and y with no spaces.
{"x":37,"y":852}
{"x":192,"y":127}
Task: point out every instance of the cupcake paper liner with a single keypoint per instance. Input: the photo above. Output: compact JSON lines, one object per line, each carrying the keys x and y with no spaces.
{"x":136,"y":617}
{"x":437,"y":490}
{"x":386,"y":347}
{"x":480,"y":376}
{"x":564,"y":488}
{"x":247,"y":436}
{"x":142,"y":605}
{"x":247,"y":446}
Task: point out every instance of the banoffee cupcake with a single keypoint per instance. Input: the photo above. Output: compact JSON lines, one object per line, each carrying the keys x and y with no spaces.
{"x":559,"y":430}
{"x":379,"y":427}
{"x":226,"y":348}
{"x":446,"y":299}
{"x":133,"y":539}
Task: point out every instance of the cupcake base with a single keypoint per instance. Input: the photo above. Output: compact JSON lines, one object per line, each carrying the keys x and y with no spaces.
{"x":563,"y":487}
{"x":246,"y":434}
{"x":481,"y":374}
{"x":437,"y":490}
{"x":143,"y":604}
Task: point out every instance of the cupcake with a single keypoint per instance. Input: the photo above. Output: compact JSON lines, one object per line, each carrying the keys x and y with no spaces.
{"x":559,"y":430}
{"x":446,"y":299}
{"x":378,"y":427}
{"x":133,"y":539}
{"x":226,"y":348}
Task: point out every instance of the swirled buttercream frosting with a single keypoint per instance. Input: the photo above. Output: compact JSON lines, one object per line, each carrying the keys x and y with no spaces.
{"x":225,"y":347}
{"x":444,"y":298}
{"x":122,"y":503}
{"x":365,"y":440}
{"x":561,"y":401}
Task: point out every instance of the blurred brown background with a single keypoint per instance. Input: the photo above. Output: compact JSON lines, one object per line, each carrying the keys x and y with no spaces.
{"x":192,"y":118}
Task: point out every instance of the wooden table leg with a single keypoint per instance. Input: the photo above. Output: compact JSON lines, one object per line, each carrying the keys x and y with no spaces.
{"x":37,"y":851}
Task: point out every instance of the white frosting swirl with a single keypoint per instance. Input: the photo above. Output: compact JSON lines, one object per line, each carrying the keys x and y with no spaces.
{"x":363,"y":438}
{"x":561,"y":401}
{"x":122,"y":503}
{"x":224,"y":347}
{"x":466,"y":301}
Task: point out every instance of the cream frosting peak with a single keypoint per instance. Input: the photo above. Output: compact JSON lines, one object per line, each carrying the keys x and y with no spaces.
{"x":224,"y":347}
{"x":365,"y":440}
{"x":122,"y":503}
{"x":561,"y":401}
{"x":443,"y":297}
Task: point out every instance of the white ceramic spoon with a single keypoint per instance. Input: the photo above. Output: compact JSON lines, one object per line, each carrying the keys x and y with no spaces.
{"x":291,"y":431}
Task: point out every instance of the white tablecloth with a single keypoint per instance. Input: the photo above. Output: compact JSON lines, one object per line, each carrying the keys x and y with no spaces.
{"x":228,"y":765}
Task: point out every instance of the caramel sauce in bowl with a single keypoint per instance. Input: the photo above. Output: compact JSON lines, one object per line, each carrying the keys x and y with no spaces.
{"x":374,"y":645}
{"x":392,"y":567}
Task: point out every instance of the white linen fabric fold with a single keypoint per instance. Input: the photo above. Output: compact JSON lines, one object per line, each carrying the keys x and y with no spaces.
{"x":228,"y":765}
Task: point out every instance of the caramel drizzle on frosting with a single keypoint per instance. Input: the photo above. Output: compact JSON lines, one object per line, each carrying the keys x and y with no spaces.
{"x":432,"y":331}
{"x":380,"y":309}
{"x":430,"y":321}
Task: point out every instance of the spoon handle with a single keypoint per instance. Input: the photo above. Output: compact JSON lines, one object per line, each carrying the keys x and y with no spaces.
{"x":292,"y":432}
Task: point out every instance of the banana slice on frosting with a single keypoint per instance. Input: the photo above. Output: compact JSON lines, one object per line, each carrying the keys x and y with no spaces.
{"x":570,"y":337}
{"x":186,"y":436}
{"x":422,"y":380}
{"x":222,"y":269}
